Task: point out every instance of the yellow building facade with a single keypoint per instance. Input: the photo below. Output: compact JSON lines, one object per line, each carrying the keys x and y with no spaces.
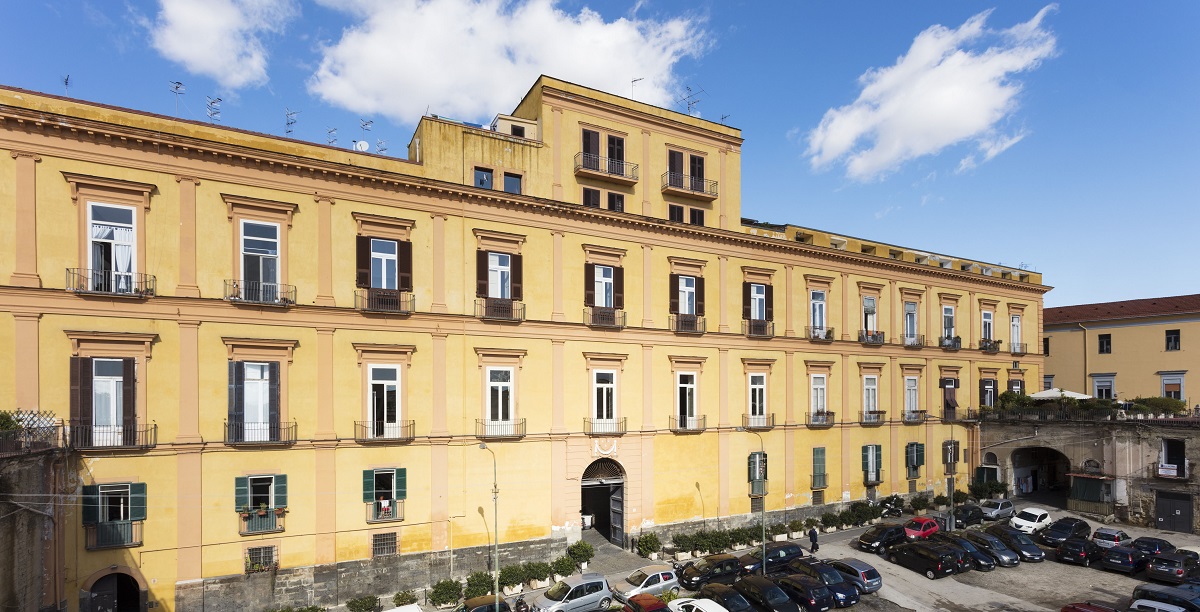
{"x":277,"y":358}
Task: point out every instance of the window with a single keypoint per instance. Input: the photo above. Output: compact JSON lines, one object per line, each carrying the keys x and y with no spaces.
{"x":616,"y":155}
{"x":758,"y":301}
{"x":108,"y":403}
{"x":819,"y":460}
{"x":512,"y":183}
{"x":871,"y":396}
{"x":384,"y":409}
{"x":500,"y":398}
{"x":987,"y":325}
{"x":254,"y":408}
{"x":603,"y":286}
{"x":869,"y":317}
{"x":685,"y":402}
{"x":384,"y":264}
{"x":987,"y":392}
{"x":1047,"y":382}
{"x":1046,"y":346}
{"x":604,"y":292}
{"x":696,"y":216}
{"x":910,"y":323}
{"x":1014,"y":331}
{"x":385,"y":490}
{"x":817,"y":309}
{"x":260,"y":261}
{"x":675,"y":168}
{"x":758,"y":398}
{"x":616,"y":201}
{"x":818,"y":393}
{"x":112,"y":513}
{"x":948,"y":321}
{"x":818,"y":497}
{"x":499,"y":275}
{"x":604,"y":390}
{"x":1104,"y":344}
{"x":591,"y":149}
{"x":260,"y":559}
{"x":914,"y":458}
{"x":255,"y":497}
{"x":1102,"y":387}
{"x":912,"y":403}
{"x":112,"y":257}
{"x":1172,"y":339}
{"x":591,"y":197}
{"x":675,"y":213}
{"x":384,"y":544}
{"x":696,"y":166}
{"x":872,"y":462}
{"x":483,"y":178}
{"x":687,"y":295}
{"x":1172,"y":387}
{"x":517,"y":130}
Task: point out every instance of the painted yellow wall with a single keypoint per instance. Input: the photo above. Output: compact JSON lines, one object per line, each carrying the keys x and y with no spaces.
{"x":1138,"y":354}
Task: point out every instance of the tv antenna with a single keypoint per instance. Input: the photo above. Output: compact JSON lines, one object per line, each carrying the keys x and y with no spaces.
{"x":213,"y":109}
{"x":724,"y":117}
{"x":366,"y":127}
{"x":634,"y":82}
{"x":178,"y":89}
{"x":380,"y":146}
{"x":67,"y":85}
{"x":289,"y":120}
{"x":692,"y":99}
{"x":331,"y":136}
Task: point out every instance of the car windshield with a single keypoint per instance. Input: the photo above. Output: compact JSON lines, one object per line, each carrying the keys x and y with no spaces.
{"x":636,"y":578}
{"x":1060,"y":528}
{"x":702,"y":565}
{"x":966,"y":545}
{"x":998,"y":544}
{"x":756,"y":553}
{"x":1022,"y":539}
{"x":734,"y":602}
{"x":775,"y":596}
{"x":558,"y":591}
{"x":830,"y":575}
{"x":820,"y":592}
{"x":991,"y":505}
{"x":874,"y":532}
{"x":914,"y":525}
{"x":1026,"y":515}
{"x":1161,"y":562}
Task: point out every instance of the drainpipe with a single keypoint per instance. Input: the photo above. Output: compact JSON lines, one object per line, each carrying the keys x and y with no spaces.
{"x":1085,"y":368}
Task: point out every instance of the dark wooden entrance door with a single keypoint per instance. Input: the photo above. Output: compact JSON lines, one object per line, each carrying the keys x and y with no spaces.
{"x":616,"y":515}
{"x":1174,"y":511}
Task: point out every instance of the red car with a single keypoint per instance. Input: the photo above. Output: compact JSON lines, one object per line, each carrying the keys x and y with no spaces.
{"x":920,"y":528}
{"x":644,"y":602}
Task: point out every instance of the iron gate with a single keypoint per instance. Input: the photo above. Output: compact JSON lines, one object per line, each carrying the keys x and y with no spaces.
{"x":1173,"y":511}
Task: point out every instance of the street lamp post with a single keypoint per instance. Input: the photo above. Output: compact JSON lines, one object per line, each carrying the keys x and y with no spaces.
{"x":763,"y":508}
{"x":495,"y":526}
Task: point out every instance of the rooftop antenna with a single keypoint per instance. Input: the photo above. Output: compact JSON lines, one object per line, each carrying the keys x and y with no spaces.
{"x":331,"y":136}
{"x":724,"y":117}
{"x":692,"y":99}
{"x":632,"y":83}
{"x":380,"y":147}
{"x":213,"y":109}
{"x":289,"y":120}
{"x":67,"y":85}
{"x":178,"y":89}
{"x":366,"y":127}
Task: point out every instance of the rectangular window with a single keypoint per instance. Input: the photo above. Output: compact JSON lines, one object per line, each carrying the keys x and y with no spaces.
{"x":1172,"y":387}
{"x":869,"y":315}
{"x":256,"y":402}
{"x":1104,"y":344}
{"x":818,"y":497}
{"x":604,"y":386}
{"x":385,"y":489}
{"x":591,"y":149}
{"x":616,"y":155}
{"x":114,"y":503}
{"x":262,"y":492}
{"x":255,"y":497}
{"x":872,"y":462}
{"x":483,"y":178}
{"x":685,"y":393}
{"x":818,"y":393}
{"x":1047,"y":382}
{"x":616,"y":201}
{"x":675,"y":169}
{"x":948,"y":321}
{"x":912,"y":401}
{"x":512,"y":183}
{"x":112,"y":256}
{"x":696,"y":216}
{"x":499,"y":275}
{"x":1172,"y":339}
{"x":758,"y":301}
{"x":687,"y":295}
{"x":987,"y":392}
{"x":986,"y":329}
{"x":914,"y":458}
{"x":910,"y":323}
{"x":384,"y":264}
{"x":1046,"y":346}
{"x":818,"y":460}
{"x":260,"y":558}
{"x":817,"y":310}
{"x":696,"y":165}
{"x":384,"y":544}
{"x":500,"y":399}
{"x":591,"y":197}
{"x":758,"y":398}
{"x":517,"y":130}
{"x":603,"y":282}
{"x":108,"y":402}
{"x":260,"y":261}
{"x":675,"y":213}
{"x":1014,"y":330}
{"x":384,"y":406}
{"x":1102,"y":388}
{"x":871,"y":395}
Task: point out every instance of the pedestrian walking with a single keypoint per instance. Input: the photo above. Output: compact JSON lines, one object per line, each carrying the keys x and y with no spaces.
{"x":812,"y":537}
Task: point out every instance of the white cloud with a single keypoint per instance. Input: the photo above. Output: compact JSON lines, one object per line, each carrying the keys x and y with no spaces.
{"x":472,"y":58}
{"x":952,"y":86}
{"x":220,"y":39}
{"x":889,"y":209}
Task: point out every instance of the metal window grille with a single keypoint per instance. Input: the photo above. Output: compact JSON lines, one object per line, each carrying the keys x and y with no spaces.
{"x":756,"y":505}
{"x":383,"y":544}
{"x":912,"y":485}
{"x":260,"y":559}
{"x":818,"y":498}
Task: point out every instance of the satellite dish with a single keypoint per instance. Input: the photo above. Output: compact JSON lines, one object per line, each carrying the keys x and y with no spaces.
{"x":361,"y":145}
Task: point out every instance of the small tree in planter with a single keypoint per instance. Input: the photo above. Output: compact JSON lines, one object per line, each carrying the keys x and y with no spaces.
{"x":366,"y":603}
{"x":811,"y":522}
{"x":919,"y":504}
{"x":404,"y":598}
{"x":778,"y":531}
{"x":997,"y":489}
{"x":979,"y":490}
{"x":648,"y":545}
{"x":445,"y":593}
{"x":796,"y":529}
{"x":846,"y":518}
{"x":683,"y":542}
{"x":960,"y":497}
{"x":478,"y":585}
{"x":538,"y":574}
{"x":511,"y":578}
{"x":581,"y":552}
{"x":829,"y":521}
{"x":562,"y":567}
{"x":941,"y":501}
{"x":719,"y":540}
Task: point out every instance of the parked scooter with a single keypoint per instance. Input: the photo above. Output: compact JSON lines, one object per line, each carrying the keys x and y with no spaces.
{"x":519,"y":605}
{"x":889,"y":510}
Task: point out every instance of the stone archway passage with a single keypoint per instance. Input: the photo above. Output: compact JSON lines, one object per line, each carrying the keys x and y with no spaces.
{"x":602,"y":496}
{"x":115,"y":593}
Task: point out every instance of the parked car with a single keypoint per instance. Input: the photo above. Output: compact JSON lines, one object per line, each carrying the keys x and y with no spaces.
{"x":1019,"y":542}
{"x":724,"y":595}
{"x":764,"y":594}
{"x":483,"y":603}
{"x":809,"y":593}
{"x":962,"y":560}
{"x":1188,"y":600}
{"x":990,"y":544}
{"x":644,"y":602}
{"x":920,"y":528}
{"x":996,"y":509}
{"x":1030,"y":520}
{"x":1124,"y":559}
{"x":1079,"y":551}
{"x":1146,"y":605}
{"x":924,"y":558}
{"x":575,"y":594}
{"x":879,"y":538}
{"x":967,"y":515}
{"x":843,"y":590}
{"x":1064,"y":529}
{"x":722,"y":569}
{"x":779,"y":554}
{"x":1172,"y":567}
{"x":861,"y":574}
{"x":1088,"y":607}
{"x":1152,"y":546}
{"x":980,"y":560}
{"x":652,"y":579}
{"x":691,"y":604}
{"x":1105,"y":537}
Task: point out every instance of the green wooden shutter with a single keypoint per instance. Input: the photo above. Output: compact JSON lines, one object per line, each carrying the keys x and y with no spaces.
{"x":368,"y":486}
{"x":401,"y":481}
{"x":281,"y":490}
{"x":137,"y":501}
{"x":866,"y":457}
{"x":241,"y":493}
{"x":90,"y":508}
{"x":910,"y":457}
{"x":878,"y":451}
{"x":920,"y":455}
{"x":819,"y":460}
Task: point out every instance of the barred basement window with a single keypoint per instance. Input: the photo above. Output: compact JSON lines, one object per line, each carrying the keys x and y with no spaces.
{"x":260,"y":559}
{"x":818,"y":498}
{"x":756,"y":505}
{"x":912,"y":485}
{"x":383,"y":544}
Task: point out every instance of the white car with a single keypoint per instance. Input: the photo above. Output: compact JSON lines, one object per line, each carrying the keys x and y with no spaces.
{"x":1030,"y":520}
{"x":688,"y":604}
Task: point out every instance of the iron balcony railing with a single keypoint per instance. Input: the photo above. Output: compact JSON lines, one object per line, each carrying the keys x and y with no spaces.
{"x":914,"y":417}
{"x":88,"y":435}
{"x":113,"y":534}
{"x":619,"y":169}
{"x":385,"y":510}
{"x":240,"y":432}
{"x":871,"y":337}
{"x":820,"y":481}
{"x":819,"y":334}
{"x":30,"y":439}
{"x":823,"y":419}
{"x":108,"y":282}
{"x":680,"y":424}
{"x":600,"y":316}
{"x":950,"y":343}
{"x":873,"y":477}
{"x":255,"y":292}
{"x":369,"y":432}
{"x":914,"y":341}
{"x":758,"y":328}
{"x":688,"y":184}
{"x":1172,"y":471}
{"x":687,"y":324}
{"x":260,"y":521}
{"x":1018,"y":348}
{"x":960,"y":415}
{"x":384,"y":300}
{"x":604,"y":427}
{"x":499,"y":309}
{"x":514,"y":428}
{"x":758,"y":421}
{"x":873,"y":418}
{"x":988,"y":345}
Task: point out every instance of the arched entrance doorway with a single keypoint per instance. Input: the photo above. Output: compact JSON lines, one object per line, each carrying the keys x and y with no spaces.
{"x":602,"y":496}
{"x":116,"y":593}
{"x":1041,"y":472}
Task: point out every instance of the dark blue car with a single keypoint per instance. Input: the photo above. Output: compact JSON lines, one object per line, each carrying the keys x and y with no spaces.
{"x":843,"y":590}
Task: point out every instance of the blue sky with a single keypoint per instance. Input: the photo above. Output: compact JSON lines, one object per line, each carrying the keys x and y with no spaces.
{"x":1062,"y":137}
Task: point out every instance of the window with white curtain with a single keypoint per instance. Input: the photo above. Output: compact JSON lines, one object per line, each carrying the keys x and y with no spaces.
{"x":112,"y":256}
{"x":687,"y":295}
{"x":987,"y":325}
{"x":256,"y":401}
{"x":758,"y":399}
{"x":818,"y":393}
{"x":108,"y":401}
{"x":912,"y":396}
{"x":817,"y":301}
{"x":499,"y":275}
{"x":948,"y":321}
{"x":604,"y":286}
{"x":871,"y":394}
{"x":605,"y":384}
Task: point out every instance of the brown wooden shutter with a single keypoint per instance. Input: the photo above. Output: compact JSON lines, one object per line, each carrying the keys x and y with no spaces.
{"x":129,"y":401}
{"x":619,"y":288}
{"x":80,"y":406}
{"x":589,"y":284}
{"x":746,"y":301}
{"x":362,"y":266}
{"x":237,"y":409}
{"x":770,"y":303}
{"x":517,"y":277}
{"x":404,"y":265}
{"x":674,"y":288}
{"x":481,"y":274}
{"x":982,"y":392}
{"x":700,"y":296}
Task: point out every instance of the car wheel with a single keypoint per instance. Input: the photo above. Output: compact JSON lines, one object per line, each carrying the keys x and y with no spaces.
{"x":858,"y":589}
{"x":930,"y":575}
{"x":675,"y":591}
{"x":605,"y":604}
{"x":1087,"y":562}
{"x":892,"y":558}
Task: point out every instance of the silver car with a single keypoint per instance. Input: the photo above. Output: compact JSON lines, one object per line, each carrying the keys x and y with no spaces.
{"x":859,"y":573}
{"x":575,"y":594}
{"x":996,"y":509}
{"x":652,"y":579}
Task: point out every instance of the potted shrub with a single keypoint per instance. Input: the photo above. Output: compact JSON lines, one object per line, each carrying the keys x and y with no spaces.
{"x":718,"y":540}
{"x":262,"y":509}
{"x":978,"y":490}
{"x":581,"y":552}
{"x":404,"y":598}
{"x":941,"y":501}
{"x":537,"y":574}
{"x":702,"y":541}
{"x":445,"y":593}
{"x":683,"y":546}
{"x":280,"y":511}
{"x":366,"y":603}
{"x":811,"y":522}
{"x":919,"y":504}
{"x":829,"y":521}
{"x":846,"y":518}
{"x":648,"y":545}
{"x":478,"y":585}
{"x":245,"y":512}
{"x":562,"y":567}
{"x":960,"y":497}
{"x":796,"y":529}
{"x":778,"y":532}
{"x":998,"y":489}
{"x":511,"y":579}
